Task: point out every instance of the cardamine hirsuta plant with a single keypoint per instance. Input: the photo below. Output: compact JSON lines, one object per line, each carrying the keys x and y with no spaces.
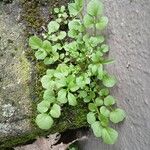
{"x":76,"y":56}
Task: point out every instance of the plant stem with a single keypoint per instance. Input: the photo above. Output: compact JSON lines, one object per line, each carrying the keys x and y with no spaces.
{"x":94,"y":26}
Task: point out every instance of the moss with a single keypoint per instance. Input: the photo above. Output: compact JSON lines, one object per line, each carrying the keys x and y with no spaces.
{"x":72,"y":117}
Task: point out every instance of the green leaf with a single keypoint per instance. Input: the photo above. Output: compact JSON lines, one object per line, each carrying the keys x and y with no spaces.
{"x":102,"y":23}
{"x":91,"y":118}
{"x":59,"y":75}
{"x":94,"y":41}
{"x":95,"y":8}
{"x":98,"y":101}
{"x":72,"y":9}
{"x":93,"y":68}
{"x":47,"y":82}
{"x":92,"y":107}
{"x":62,"y":9}
{"x":62,"y":35}
{"x":100,"y":71}
{"x":35,"y":42}
{"x":104,"y":48}
{"x":49,"y":95}
{"x":97,"y":129}
{"x":109,"y":135}
{"x":108,"y":61}
{"x":88,"y":21}
{"x":62,"y":96}
{"x":79,"y":3}
{"x":104,"y":120}
{"x":43,"y":106}
{"x":44,"y":121}
{"x":56,"y":10}
{"x":48,"y":61}
{"x":109,"y":100}
{"x":87,"y":99}
{"x":75,"y":8}
{"x":57,"y":47}
{"x":63,"y":68}
{"x":47,"y":46}
{"x":117,"y":115}
{"x":72,"y":99}
{"x":55,"y":111}
{"x":104,"y":111}
{"x":80,"y":81}
{"x":40,"y":54}
{"x":53,"y":37}
{"x":104,"y":92}
{"x":82,"y":94}
{"x":53,"y":26}
{"x":109,"y":81}
{"x":61,"y":83}
{"x":75,"y":24}
{"x":50,"y":72}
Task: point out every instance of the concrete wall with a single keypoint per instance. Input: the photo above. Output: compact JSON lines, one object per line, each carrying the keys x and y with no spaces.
{"x":129,"y":39}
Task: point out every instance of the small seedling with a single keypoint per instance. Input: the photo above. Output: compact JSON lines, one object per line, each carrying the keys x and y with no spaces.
{"x":79,"y":58}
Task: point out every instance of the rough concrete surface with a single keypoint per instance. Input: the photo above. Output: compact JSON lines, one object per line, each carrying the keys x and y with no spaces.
{"x":129,"y":40}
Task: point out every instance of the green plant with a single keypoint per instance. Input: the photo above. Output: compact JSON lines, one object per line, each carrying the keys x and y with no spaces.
{"x":77,"y":59}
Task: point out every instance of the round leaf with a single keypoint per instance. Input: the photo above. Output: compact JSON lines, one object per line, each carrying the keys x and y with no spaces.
{"x":56,"y":10}
{"x":95,"y":8}
{"x":47,"y":46}
{"x":102,"y":23}
{"x":104,"y":48}
{"x":117,"y":115}
{"x":43,"y":106}
{"x":109,"y":81}
{"x":97,"y":129}
{"x":91,"y":118}
{"x":104,"y":111}
{"x":72,"y":99}
{"x":88,"y":21}
{"x":62,"y":35}
{"x":44,"y":121}
{"x":49,"y":96}
{"x":104,"y":92}
{"x":62,"y":96}
{"x":55,"y":111}
{"x":109,"y":100}
{"x":53,"y":26}
{"x":40,"y":54}
{"x":109,"y":135}
{"x":47,"y":82}
{"x":92,"y":107}
{"x":82,"y":94}
{"x":35,"y":42}
{"x":98,"y":101}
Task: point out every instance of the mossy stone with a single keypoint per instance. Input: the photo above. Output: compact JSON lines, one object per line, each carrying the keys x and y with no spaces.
{"x":20,"y":88}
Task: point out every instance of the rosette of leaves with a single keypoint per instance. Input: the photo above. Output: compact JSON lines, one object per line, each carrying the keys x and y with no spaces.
{"x":79,"y":58}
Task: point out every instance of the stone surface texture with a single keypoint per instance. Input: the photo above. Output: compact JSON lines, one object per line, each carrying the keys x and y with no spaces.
{"x":15,"y":74}
{"x":129,"y":40}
